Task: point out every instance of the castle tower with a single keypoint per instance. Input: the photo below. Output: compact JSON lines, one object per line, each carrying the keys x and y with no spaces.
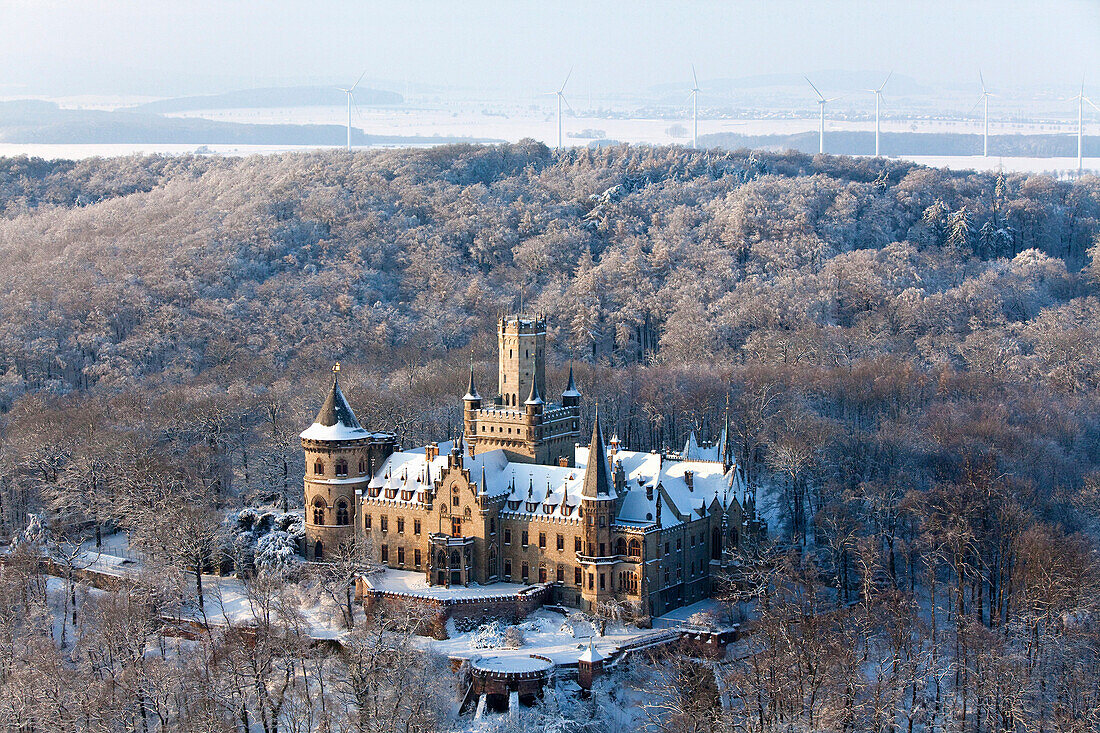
{"x":519,"y":421}
{"x":522,"y":344}
{"x":598,"y":500}
{"x":340,"y":457}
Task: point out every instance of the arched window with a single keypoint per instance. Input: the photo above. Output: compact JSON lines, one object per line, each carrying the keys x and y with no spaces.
{"x":456,"y":559}
{"x":362,"y":466}
{"x":341,"y":467}
{"x":716,"y":544}
{"x":318,"y":511}
{"x":492,"y":561}
{"x":441,"y":559}
{"x":620,"y":546}
{"x":318,"y":551}
{"x":318,"y":467}
{"x":342,"y":512}
{"x":635,"y":548}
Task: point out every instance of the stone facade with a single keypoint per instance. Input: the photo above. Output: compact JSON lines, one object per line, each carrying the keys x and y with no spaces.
{"x":602,"y":525}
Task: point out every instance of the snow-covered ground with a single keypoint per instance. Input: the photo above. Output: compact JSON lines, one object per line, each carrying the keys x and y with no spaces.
{"x":548,"y":634}
{"x":413,"y":583}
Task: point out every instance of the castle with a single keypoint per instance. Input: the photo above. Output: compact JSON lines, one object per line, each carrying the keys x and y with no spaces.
{"x":517,"y":499}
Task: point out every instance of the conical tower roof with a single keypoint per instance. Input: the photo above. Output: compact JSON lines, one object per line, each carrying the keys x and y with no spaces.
{"x":597,"y":474}
{"x":471,"y":391}
{"x":534,"y":398}
{"x":335,"y":420}
{"x":571,"y":390}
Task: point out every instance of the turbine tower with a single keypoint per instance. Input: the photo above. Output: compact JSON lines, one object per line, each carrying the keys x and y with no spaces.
{"x":1081,"y":99}
{"x":349,"y":92}
{"x":821,"y":102}
{"x":984,"y":100}
{"x":562,"y":100}
{"x":878,"y":99}
{"x":694,"y":94}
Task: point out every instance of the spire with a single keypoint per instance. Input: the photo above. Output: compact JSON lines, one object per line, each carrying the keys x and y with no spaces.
{"x":535,"y":398}
{"x":335,"y":420}
{"x":484,"y":487}
{"x":471,"y":391}
{"x":571,"y":390}
{"x":597,"y":474}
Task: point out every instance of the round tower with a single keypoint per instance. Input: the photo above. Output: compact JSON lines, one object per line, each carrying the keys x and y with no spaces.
{"x":340,"y":457}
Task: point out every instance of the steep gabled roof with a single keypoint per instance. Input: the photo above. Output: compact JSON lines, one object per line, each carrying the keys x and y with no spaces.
{"x":597,"y":474}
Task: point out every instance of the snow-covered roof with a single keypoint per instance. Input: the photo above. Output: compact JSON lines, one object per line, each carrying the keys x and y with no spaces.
{"x":590,"y":654}
{"x":335,"y":421}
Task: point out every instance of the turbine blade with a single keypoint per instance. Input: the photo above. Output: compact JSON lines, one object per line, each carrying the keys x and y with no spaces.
{"x":982,"y":78}
{"x":969,"y":111}
{"x":567,"y":105}
{"x":888,"y":76}
{"x":357,"y":81}
{"x":819,"y":94}
{"x":693,"y":76}
{"x":566,"y":80}
{"x":1093,"y":104}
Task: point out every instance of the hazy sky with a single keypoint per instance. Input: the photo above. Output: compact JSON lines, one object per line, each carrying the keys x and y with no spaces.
{"x":164,"y":47}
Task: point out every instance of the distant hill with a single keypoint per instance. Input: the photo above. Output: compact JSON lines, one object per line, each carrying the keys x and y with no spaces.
{"x":29,"y":121}
{"x":310,"y":96}
{"x":909,"y":143}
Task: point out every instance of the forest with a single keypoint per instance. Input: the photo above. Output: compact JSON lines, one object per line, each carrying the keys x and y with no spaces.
{"x":908,"y":359}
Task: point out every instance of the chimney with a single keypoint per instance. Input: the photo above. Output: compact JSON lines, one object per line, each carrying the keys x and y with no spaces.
{"x":689,"y":479}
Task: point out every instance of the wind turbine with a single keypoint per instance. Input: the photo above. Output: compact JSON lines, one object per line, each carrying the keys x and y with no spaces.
{"x":878,"y":99}
{"x":694,"y":94}
{"x":1081,"y":99}
{"x":984,"y":100}
{"x":821,"y":101}
{"x":561,"y":99}
{"x":349,"y":92}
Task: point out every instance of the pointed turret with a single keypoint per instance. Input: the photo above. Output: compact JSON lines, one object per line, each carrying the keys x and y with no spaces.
{"x":571,"y":397}
{"x":471,"y":391}
{"x":335,"y":421}
{"x":534,"y":398}
{"x":597,"y":474}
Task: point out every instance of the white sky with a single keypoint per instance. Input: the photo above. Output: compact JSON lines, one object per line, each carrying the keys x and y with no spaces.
{"x":165,"y":47}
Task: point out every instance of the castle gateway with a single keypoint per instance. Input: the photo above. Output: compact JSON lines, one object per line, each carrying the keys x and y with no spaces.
{"x":518,"y":499}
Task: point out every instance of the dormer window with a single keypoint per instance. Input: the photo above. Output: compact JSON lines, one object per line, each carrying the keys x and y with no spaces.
{"x":319,"y":467}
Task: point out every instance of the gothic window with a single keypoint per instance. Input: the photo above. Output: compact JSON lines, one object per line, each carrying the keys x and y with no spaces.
{"x":561,"y":542}
{"x":620,"y":546}
{"x":416,"y":557}
{"x":384,"y":523}
{"x":635,"y":548}
{"x":318,"y":511}
{"x":493,"y":561}
{"x":542,"y":573}
{"x":362,"y":466}
{"x":319,"y":467}
{"x":416,"y":526}
{"x":441,"y":559}
{"x":366,"y":522}
{"x":523,"y":541}
{"x":454,"y":498}
{"x":400,"y":555}
{"x":456,"y":559}
{"x":341,"y":467}
{"x":542,"y":540}
{"x":342,"y":512}
{"x":561,"y":574}
{"x":400,"y":525}
{"x":716,"y":544}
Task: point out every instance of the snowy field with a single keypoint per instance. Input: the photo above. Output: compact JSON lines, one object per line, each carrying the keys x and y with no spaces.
{"x":413,"y":583}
